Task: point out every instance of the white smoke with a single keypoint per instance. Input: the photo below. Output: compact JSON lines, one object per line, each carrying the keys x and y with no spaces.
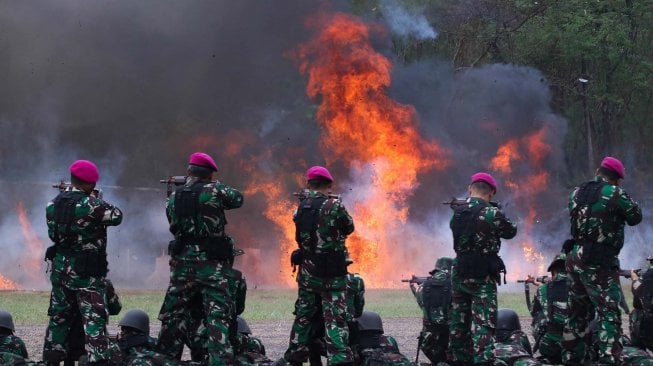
{"x":406,"y":24}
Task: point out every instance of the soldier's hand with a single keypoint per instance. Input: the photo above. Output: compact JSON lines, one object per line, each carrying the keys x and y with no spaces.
{"x":633,"y":275}
{"x":530,"y":279}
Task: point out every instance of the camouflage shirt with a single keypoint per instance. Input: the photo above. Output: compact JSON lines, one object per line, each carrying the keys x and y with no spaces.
{"x":541,"y":306}
{"x":214,"y":199}
{"x":355,"y":296}
{"x":387,"y":353}
{"x":604,"y":222}
{"x":88,"y":229}
{"x":514,"y":348}
{"x":439,"y":314}
{"x":12,"y":344}
{"x":490,"y":226}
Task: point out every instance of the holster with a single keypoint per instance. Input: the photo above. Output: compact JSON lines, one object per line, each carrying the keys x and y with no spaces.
{"x":174,"y":248}
{"x":297,"y":257}
{"x":50,"y":253}
{"x":568,"y":245}
{"x":218,"y":248}
{"x":91,"y":264}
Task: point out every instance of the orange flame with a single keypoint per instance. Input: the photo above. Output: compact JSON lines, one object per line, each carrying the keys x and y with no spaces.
{"x":373,"y":134}
{"x":529,"y":151}
{"x":34,"y":247}
{"x":7,"y":284}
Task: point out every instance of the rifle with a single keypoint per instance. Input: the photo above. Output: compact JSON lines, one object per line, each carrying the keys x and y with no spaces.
{"x":527,"y":289}
{"x":63,"y":186}
{"x":541,"y":279}
{"x":173,"y":181}
{"x":419,"y":348}
{"x":415,"y":279}
{"x":626,"y":272}
{"x":454,"y":202}
{"x":301,"y":195}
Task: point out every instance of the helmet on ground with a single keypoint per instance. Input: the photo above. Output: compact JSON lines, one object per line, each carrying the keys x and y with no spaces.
{"x":6,"y":321}
{"x":507,"y":323}
{"x":137,"y":319}
{"x":559,"y":260}
{"x":243,"y":327}
{"x":370,"y":321}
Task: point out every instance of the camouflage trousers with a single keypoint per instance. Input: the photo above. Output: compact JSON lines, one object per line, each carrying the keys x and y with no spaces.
{"x":633,"y":356}
{"x":641,"y":329}
{"x":591,"y":287}
{"x":72,"y":296}
{"x":473,"y":319}
{"x":307,"y":308}
{"x":434,"y":341}
{"x":210,"y":281}
{"x":551,"y":347}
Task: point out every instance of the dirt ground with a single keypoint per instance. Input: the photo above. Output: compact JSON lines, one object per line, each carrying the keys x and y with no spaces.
{"x":274,"y":335}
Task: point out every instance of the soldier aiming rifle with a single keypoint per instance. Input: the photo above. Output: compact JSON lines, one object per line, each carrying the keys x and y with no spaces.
{"x":537,"y":281}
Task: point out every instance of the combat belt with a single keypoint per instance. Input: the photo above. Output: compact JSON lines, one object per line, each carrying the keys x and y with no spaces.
{"x":88,"y":263}
{"x":323,"y":264}
{"x":594,"y":254}
{"x":474,"y":264}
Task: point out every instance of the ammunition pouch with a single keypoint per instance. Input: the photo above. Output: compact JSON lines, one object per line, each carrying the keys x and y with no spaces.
{"x":437,"y":294}
{"x":297,"y":257}
{"x":91,"y":264}
{"x":174,"y":248}
{"x":473,"y":265}
{"x":50,"y":253}
{"x":328,"y":264}
{"x":601,"y":255}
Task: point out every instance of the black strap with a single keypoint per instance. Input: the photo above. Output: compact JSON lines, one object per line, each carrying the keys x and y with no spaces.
{"x":463,"y":224}
{"x":307,"y":219}
{"x":436,"y":295}
{"x":588,"y":194}
{"x":64,"y":215}
{"x":557,"y":292}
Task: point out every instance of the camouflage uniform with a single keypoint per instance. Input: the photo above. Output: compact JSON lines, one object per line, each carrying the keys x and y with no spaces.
{"x":549,"y":318}
{"x":386,"y":354}
{"x":9,"y":343}
{"x":598,"y":213}
{"x":634,"y":356}
{"x":78,"y":270}
{"x":200,"y":265}
{"x":474,"y":296}
{"x":434,"y":337}
{"x":516,"y":350}
{"x":325,"y":294}
{"x":250,"y":350}
{"x":642,"y":314}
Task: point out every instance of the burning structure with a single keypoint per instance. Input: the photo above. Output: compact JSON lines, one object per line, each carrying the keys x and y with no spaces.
{"x":399,"y":139}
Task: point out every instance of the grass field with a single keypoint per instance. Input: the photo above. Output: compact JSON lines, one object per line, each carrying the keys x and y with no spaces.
{"x":30,"y":308}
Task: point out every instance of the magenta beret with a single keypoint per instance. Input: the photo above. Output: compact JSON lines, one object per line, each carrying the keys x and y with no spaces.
{"x":203,"y":160}
{"x":318,"y":172}
{"x":485,"y":177}
{"x":85,"y":170}
{"x":615,"y":165}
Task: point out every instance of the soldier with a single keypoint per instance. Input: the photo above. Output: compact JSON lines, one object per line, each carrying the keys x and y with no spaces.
{"x":374,"y":347}
{"x":641,"y":318}
{"x":249,"y":349}
{"x":477,"y":228}
{"x":434,"y":298}
{"x":322,"y":225}
{"x":77,"y":225}
{"x":630,"y":355}
{"x":200,"y":261}
{"x":550,"y":311}
{"x":134,"y":344}
{"x":355,"y":297}
{"x":9,"y":343}
{"x":512,"y":346}
{"x":598,"y":210}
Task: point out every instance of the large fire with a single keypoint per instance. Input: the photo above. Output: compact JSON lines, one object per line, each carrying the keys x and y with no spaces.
{"x":529,"y":151}
{"x":34,"y":247}
{"x":7,"y":284}
{"x":373,"y":135}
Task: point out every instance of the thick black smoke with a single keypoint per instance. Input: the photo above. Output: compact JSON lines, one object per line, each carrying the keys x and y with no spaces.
{"x":138,"y":86}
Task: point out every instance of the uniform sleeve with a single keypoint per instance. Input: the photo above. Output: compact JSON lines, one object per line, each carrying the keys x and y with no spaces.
{"x":359,"y":301}
{"x":23,"y":349}
{"x":241,"y":294}
{"x":505,"y":227}
{"x":631,"y":210}
{"x":50,"y":220}
{"x":106,"y":213}
{"x":344,"y":222}
{"x":231,"y":197}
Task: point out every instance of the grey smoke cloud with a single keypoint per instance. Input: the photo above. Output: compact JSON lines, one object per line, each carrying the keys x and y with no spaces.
{"x":406,"y":22}
{"x":138,"y":86}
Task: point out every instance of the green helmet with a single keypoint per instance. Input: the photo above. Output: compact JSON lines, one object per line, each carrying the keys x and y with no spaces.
{"x":370,"y":321}
{"x":649,"y":258}
{"x":6,"y":321}
{"x":559,"y":260}
{"x":444,"y":263}
{"x":137,"y":319}
{"x":243,"y":327}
